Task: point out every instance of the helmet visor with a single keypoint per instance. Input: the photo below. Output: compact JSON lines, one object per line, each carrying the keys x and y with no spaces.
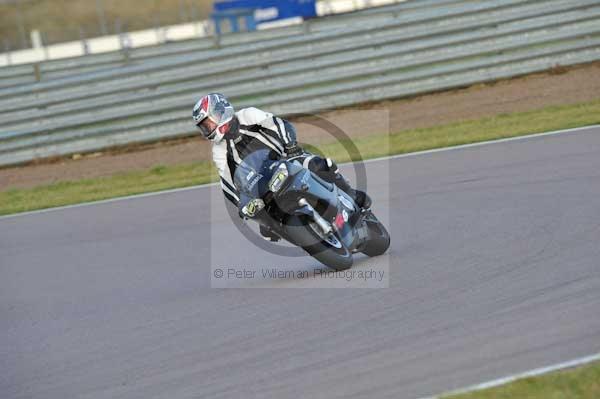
{"x":207,"y":128}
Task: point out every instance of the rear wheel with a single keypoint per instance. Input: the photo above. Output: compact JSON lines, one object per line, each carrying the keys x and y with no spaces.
{"x":328,"y":250}
{"x":379,"y":238}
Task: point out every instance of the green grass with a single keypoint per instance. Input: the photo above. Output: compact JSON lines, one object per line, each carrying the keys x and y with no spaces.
{"x":61,"y":20}
{"x":166,"y":177}
{"x":579,"y":383}
{"x":72,"y":192}
{"x":497,"y":127}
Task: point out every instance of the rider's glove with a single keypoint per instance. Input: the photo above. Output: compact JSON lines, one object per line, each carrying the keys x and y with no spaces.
{"x":293,"y":150}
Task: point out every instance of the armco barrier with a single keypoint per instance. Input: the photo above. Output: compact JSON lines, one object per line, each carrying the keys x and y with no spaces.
{"x":453,"y":47}
{"x":267,"y":57}
{"x":361,"y":59}
{"x":270,"y":47}
{"x":21,"y":74}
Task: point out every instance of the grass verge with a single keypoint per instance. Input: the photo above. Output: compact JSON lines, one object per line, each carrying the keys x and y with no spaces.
{"x":579,"y":383}
{"x":167,"y":177}
{"x":63,"y":20}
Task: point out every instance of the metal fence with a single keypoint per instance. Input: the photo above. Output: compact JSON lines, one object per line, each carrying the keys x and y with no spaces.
{"x":404,"y":53}
{"x":31,"y":73}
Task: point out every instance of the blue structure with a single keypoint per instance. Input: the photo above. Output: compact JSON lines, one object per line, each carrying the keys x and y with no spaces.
{"x":254,"y":12}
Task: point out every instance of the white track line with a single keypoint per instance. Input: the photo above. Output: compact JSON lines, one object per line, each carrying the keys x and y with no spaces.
{"x":532,"y":373}
{"x":412,"y":154}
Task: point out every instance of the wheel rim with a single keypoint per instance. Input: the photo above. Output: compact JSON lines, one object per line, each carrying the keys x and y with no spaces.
{"x":330,"y":239}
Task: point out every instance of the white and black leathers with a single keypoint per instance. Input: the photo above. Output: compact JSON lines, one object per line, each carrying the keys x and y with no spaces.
{"x":257,"y":130}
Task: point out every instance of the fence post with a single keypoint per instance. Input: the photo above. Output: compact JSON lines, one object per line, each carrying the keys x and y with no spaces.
{"x":306,"y":27}
{"x":216,"y":23}
{"x":45,"y":46}
{"x":123,"y":41}
{"x":250,"y":23}
{"x":7,"y":52}
{"x":234,"y":21}
{"x":157,"y":29}
{"x":37,"y":72}
{"x":84,"y":44}
{"x":206,"y":28}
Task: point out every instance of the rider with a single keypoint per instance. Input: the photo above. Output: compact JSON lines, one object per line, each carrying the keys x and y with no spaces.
{"x":236,"y":134}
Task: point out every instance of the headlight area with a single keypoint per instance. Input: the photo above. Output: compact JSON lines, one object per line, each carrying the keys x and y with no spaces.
{"x":253,"y":207}
{"x":278,"y":178}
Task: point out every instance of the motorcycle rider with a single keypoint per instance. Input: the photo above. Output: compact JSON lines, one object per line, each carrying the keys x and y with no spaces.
{"x":234,"y":135}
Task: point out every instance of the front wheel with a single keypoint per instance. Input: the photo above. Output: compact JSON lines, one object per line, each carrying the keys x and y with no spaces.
{"x":379,"y":238}
{"x":330,"y":250}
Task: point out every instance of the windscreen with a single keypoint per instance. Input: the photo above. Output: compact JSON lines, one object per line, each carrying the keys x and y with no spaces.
{"x":253,"y":174}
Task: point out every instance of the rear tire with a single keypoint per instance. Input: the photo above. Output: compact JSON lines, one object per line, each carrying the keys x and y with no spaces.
{"x":303,"y":235}
{"x":379,"y":238}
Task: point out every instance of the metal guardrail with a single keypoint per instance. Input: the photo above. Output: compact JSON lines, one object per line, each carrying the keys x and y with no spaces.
{"x":22,"y":74}
{"x":235,"y":61}
{"x":330,"y":68}
{"x":269,"y":46}
{"x":402,"y":60}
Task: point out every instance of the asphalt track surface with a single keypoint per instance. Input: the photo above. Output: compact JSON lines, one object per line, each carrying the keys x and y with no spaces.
{"x":494,"y":269}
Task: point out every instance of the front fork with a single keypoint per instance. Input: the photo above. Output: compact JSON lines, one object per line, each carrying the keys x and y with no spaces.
{"x":340,"y":225}
{"x":307,"y":209}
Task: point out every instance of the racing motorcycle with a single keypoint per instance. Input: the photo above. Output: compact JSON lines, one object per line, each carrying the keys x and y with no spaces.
{"x":302,"y":208}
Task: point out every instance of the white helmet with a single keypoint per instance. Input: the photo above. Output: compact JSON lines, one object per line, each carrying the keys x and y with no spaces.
{"x":218,"y":109}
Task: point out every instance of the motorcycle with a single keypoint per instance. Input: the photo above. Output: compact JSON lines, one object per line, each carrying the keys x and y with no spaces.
{"x":302,"y":208}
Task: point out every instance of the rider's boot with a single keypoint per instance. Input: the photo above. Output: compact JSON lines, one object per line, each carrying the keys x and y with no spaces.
{"x":361,"y":198}
{"x":268,"y":234}
{"x":328,"y":170}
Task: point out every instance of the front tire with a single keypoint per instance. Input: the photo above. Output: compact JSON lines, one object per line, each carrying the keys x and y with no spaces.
{"x":330,"y":253}
{"x":379,"y":238}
